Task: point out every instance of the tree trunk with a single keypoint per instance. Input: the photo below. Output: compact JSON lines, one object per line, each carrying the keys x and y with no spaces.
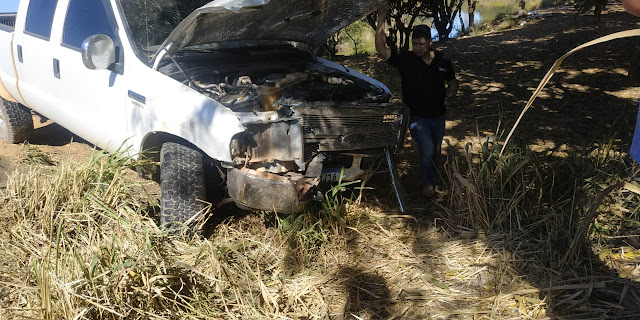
{"x":462,"y":30}
{"x":331,"y":45}
{"x":445,"y":14}
{"x":406,"y":29}
{"x":372,"y":19}
{"x":355,"y":44}
{"x":472,"y":12}
{"x":598,"y":10}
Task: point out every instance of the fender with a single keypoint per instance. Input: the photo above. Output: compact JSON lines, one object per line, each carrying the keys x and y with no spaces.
{"x":158,"y":104}
{"x":4,"y":93}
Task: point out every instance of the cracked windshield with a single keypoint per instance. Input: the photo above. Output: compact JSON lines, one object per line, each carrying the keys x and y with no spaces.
{"x":151,"y":21}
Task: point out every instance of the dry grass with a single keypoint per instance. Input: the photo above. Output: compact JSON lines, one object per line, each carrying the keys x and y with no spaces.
{"x":544,"y":213}
{"x":81,"y":243}
{"x":33,"y":155}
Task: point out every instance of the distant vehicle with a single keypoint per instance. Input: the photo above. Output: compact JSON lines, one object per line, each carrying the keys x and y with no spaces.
{"x":226,"y":95}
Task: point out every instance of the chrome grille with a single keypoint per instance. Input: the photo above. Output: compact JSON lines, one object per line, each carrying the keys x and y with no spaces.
{"x":312,"y":120}
{"x":352,"y":128}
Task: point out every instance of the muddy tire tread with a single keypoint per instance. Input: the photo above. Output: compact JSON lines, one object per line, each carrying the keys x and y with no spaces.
{"x":182,"y":183}
{"x":18,"y":122}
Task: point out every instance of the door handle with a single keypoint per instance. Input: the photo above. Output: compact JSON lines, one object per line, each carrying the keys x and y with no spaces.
{"x":56,"y":68}
{"x":20,"y":54}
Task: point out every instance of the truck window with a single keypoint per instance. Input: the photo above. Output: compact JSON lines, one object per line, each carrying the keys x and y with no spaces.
{"x":86,"y":18}
{"x":151,"y":21}
{"x":40,"y":17}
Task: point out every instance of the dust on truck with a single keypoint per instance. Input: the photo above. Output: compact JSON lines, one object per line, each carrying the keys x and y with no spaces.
{"x":228,"y":96}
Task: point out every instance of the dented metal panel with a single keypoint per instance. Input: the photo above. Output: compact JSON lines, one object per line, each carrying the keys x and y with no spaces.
{"x":255,"y":190}
{"x":276,"y":141}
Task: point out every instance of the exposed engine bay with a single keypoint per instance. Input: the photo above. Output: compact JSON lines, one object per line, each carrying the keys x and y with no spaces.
{"x":247,"y":83}
{"x":241,"y":93}
{"x":302,"y":115}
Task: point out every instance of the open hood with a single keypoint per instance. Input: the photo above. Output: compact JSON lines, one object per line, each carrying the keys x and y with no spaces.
{"x":306,"y":21}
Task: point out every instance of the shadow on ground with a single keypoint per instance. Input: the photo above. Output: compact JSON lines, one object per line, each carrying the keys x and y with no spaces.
{"x":589,"y":105}
{"x":52,"y":134}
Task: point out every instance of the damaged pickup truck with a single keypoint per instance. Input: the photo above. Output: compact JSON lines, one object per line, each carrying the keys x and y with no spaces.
{"x":227,"y":93}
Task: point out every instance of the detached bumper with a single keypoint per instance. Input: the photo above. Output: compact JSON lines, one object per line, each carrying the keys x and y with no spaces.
{"x":255,"y":191}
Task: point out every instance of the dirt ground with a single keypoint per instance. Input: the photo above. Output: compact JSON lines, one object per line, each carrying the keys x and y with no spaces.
{"x":49,"y":138}
{"x":587,"y":102}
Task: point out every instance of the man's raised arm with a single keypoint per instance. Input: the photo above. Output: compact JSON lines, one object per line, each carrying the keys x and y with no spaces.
{"x":381,"y":44}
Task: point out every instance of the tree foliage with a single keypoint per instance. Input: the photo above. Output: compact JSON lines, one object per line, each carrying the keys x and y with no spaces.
{"x":445,"y":13}
{"x":404,"y":14}
{"x":401,"y":18}
{"x":351,"y":37}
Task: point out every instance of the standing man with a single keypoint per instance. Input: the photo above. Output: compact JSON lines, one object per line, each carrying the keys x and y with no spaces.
{"x":427,"y":79}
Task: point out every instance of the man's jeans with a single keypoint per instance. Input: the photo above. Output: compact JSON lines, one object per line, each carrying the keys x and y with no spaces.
{"x":428,"y":134}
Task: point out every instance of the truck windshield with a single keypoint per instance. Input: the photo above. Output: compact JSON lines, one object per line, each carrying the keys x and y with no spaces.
{"x":151,"y":21}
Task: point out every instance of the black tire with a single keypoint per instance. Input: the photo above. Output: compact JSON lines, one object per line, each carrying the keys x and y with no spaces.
{"x":16,"y":123}
{"x":182,"y":184}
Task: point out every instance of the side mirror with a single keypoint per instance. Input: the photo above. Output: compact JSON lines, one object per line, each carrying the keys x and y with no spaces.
{"x":98,"y":52}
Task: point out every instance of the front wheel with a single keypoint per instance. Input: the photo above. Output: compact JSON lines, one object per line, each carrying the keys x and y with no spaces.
{"x":16,"y":123}
{"x":182,"y":184}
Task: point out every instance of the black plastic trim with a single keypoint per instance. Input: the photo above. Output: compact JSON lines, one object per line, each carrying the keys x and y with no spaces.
{"x":56,"y":68}
{"x":20,"y":57}
{"x":68,"y":46}
{"x":35,"y":35}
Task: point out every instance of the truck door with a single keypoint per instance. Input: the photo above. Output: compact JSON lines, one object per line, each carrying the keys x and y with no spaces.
{"x":32,"y":51}
{"x":94,"y":100}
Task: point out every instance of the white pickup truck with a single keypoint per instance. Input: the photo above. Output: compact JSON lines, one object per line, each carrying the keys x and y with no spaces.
{"x":226,"y":93}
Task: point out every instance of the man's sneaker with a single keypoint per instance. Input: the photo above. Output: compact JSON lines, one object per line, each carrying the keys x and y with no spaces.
{"x":428,"y":192}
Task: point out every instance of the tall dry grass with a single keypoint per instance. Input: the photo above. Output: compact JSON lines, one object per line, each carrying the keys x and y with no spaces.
{"x":543,"y":210}
{"x":80,"y":241}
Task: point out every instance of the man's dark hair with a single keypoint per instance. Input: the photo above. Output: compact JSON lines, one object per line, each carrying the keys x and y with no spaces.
{"x":422,"y":32}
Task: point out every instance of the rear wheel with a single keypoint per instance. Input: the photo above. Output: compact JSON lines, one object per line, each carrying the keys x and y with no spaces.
{"x":16,"y":123}
{"x":182,"y":184}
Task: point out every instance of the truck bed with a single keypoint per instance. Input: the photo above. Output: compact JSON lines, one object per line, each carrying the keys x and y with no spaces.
{"x":7,"y":20}
{"x":8,"y":77}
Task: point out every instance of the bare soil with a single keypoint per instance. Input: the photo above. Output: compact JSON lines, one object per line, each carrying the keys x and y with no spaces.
{"x":49,"y":138}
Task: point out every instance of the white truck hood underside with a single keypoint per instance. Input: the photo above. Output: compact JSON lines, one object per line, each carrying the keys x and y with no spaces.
{"x":306,"y":21}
